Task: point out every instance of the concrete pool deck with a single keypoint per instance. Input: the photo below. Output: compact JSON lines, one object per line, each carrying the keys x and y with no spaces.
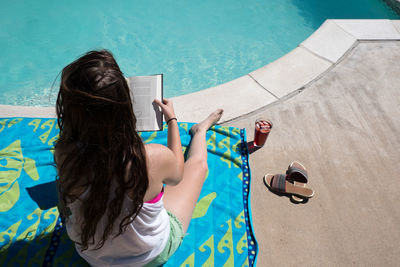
{"x":334,"y":102}
{"x":345,"y":128}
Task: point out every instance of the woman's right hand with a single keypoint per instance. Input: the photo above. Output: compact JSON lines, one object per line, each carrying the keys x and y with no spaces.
{"x":166,"y":107}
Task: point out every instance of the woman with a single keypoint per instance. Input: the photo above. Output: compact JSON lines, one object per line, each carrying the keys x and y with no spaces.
{"x":111,"y":185}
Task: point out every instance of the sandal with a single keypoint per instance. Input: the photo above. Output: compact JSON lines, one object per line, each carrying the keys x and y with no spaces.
{"x":297,"y":174}
{"x":278,"y":183}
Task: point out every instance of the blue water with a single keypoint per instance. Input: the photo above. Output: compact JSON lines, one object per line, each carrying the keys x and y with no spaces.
{"x":196,"y":44}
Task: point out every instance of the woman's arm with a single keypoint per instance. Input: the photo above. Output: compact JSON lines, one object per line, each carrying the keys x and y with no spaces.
{"x":174,"y":140}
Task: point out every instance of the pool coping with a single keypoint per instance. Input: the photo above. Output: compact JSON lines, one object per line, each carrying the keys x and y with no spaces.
{"x":272,"y":82}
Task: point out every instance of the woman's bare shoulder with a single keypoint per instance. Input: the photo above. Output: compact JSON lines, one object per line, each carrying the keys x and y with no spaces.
{"x":160,"y":159}
{"x":157,"y":153}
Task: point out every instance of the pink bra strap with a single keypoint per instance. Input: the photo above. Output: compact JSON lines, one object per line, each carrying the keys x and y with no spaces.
{"x":157,"y":198}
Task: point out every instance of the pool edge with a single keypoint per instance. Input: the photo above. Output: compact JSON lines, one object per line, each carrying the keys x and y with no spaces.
{"x":290,"y":73}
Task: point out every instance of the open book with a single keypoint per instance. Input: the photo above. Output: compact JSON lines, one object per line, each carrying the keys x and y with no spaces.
{"x":144,"y":89}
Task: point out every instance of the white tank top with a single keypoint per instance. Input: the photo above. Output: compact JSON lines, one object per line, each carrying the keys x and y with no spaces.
{"x":144,"y":239}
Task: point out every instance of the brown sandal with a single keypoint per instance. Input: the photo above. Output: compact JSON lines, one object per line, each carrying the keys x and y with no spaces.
{"x":278,"y":183}
{"x":297,"y":174}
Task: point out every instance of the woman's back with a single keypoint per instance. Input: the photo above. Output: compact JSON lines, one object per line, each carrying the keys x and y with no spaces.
{"x":100,"y":157}
{"x":144,"y":238}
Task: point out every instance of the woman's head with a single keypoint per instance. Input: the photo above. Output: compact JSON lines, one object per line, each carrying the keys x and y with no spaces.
{"x":93,"y":96}
{"x":98,"y":144}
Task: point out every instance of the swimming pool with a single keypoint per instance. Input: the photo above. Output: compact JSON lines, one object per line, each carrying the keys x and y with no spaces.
{"x":196,"y":44}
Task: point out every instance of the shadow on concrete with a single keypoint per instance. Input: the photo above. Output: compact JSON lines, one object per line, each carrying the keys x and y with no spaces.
{"x":252,"y":147}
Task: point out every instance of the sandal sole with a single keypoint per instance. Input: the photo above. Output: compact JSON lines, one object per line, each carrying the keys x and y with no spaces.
{"x":290,"y":188}
{"x":294,"y":198}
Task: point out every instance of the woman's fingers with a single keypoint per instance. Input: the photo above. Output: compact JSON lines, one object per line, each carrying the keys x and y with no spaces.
{"x":166,"y":107}
{"x":166,"y":101}
{"x":159,"y":103}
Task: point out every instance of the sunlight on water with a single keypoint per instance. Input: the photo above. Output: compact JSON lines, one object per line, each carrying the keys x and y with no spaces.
{"x":196,"y":44}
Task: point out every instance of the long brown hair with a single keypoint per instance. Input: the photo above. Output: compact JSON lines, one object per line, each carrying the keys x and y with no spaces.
{"x":98,"y":142}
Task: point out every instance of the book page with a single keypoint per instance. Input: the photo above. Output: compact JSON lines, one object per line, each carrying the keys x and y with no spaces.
{"x":144,"y":89}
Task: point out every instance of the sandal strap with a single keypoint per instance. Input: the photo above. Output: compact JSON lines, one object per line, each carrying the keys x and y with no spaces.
{"x":278,"y":182}
{"x":297,"y":174}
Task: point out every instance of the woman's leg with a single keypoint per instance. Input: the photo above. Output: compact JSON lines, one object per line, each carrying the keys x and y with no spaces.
{"x":182,"y":198}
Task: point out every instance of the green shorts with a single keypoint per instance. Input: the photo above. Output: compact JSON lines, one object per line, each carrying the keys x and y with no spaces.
{"x":174,"y":241}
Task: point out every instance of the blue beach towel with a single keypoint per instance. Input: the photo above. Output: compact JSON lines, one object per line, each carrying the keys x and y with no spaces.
{"x":31,"y":232}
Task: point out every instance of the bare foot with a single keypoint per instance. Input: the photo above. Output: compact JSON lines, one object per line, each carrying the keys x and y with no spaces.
{"x":208,"y":122}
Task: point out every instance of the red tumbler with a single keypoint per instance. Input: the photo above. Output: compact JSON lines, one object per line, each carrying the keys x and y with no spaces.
{"x":262,"y":129}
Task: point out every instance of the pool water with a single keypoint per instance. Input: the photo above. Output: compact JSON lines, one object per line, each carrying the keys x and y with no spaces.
{"x":195,"y":44}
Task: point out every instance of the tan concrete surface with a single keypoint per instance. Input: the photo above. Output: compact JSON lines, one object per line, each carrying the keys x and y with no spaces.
{"x":231,"y":96}
{"x":299,"y":64}
{"x":330,"y":41}
{"x":345,"y":128}
{"x":370,"y":29}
